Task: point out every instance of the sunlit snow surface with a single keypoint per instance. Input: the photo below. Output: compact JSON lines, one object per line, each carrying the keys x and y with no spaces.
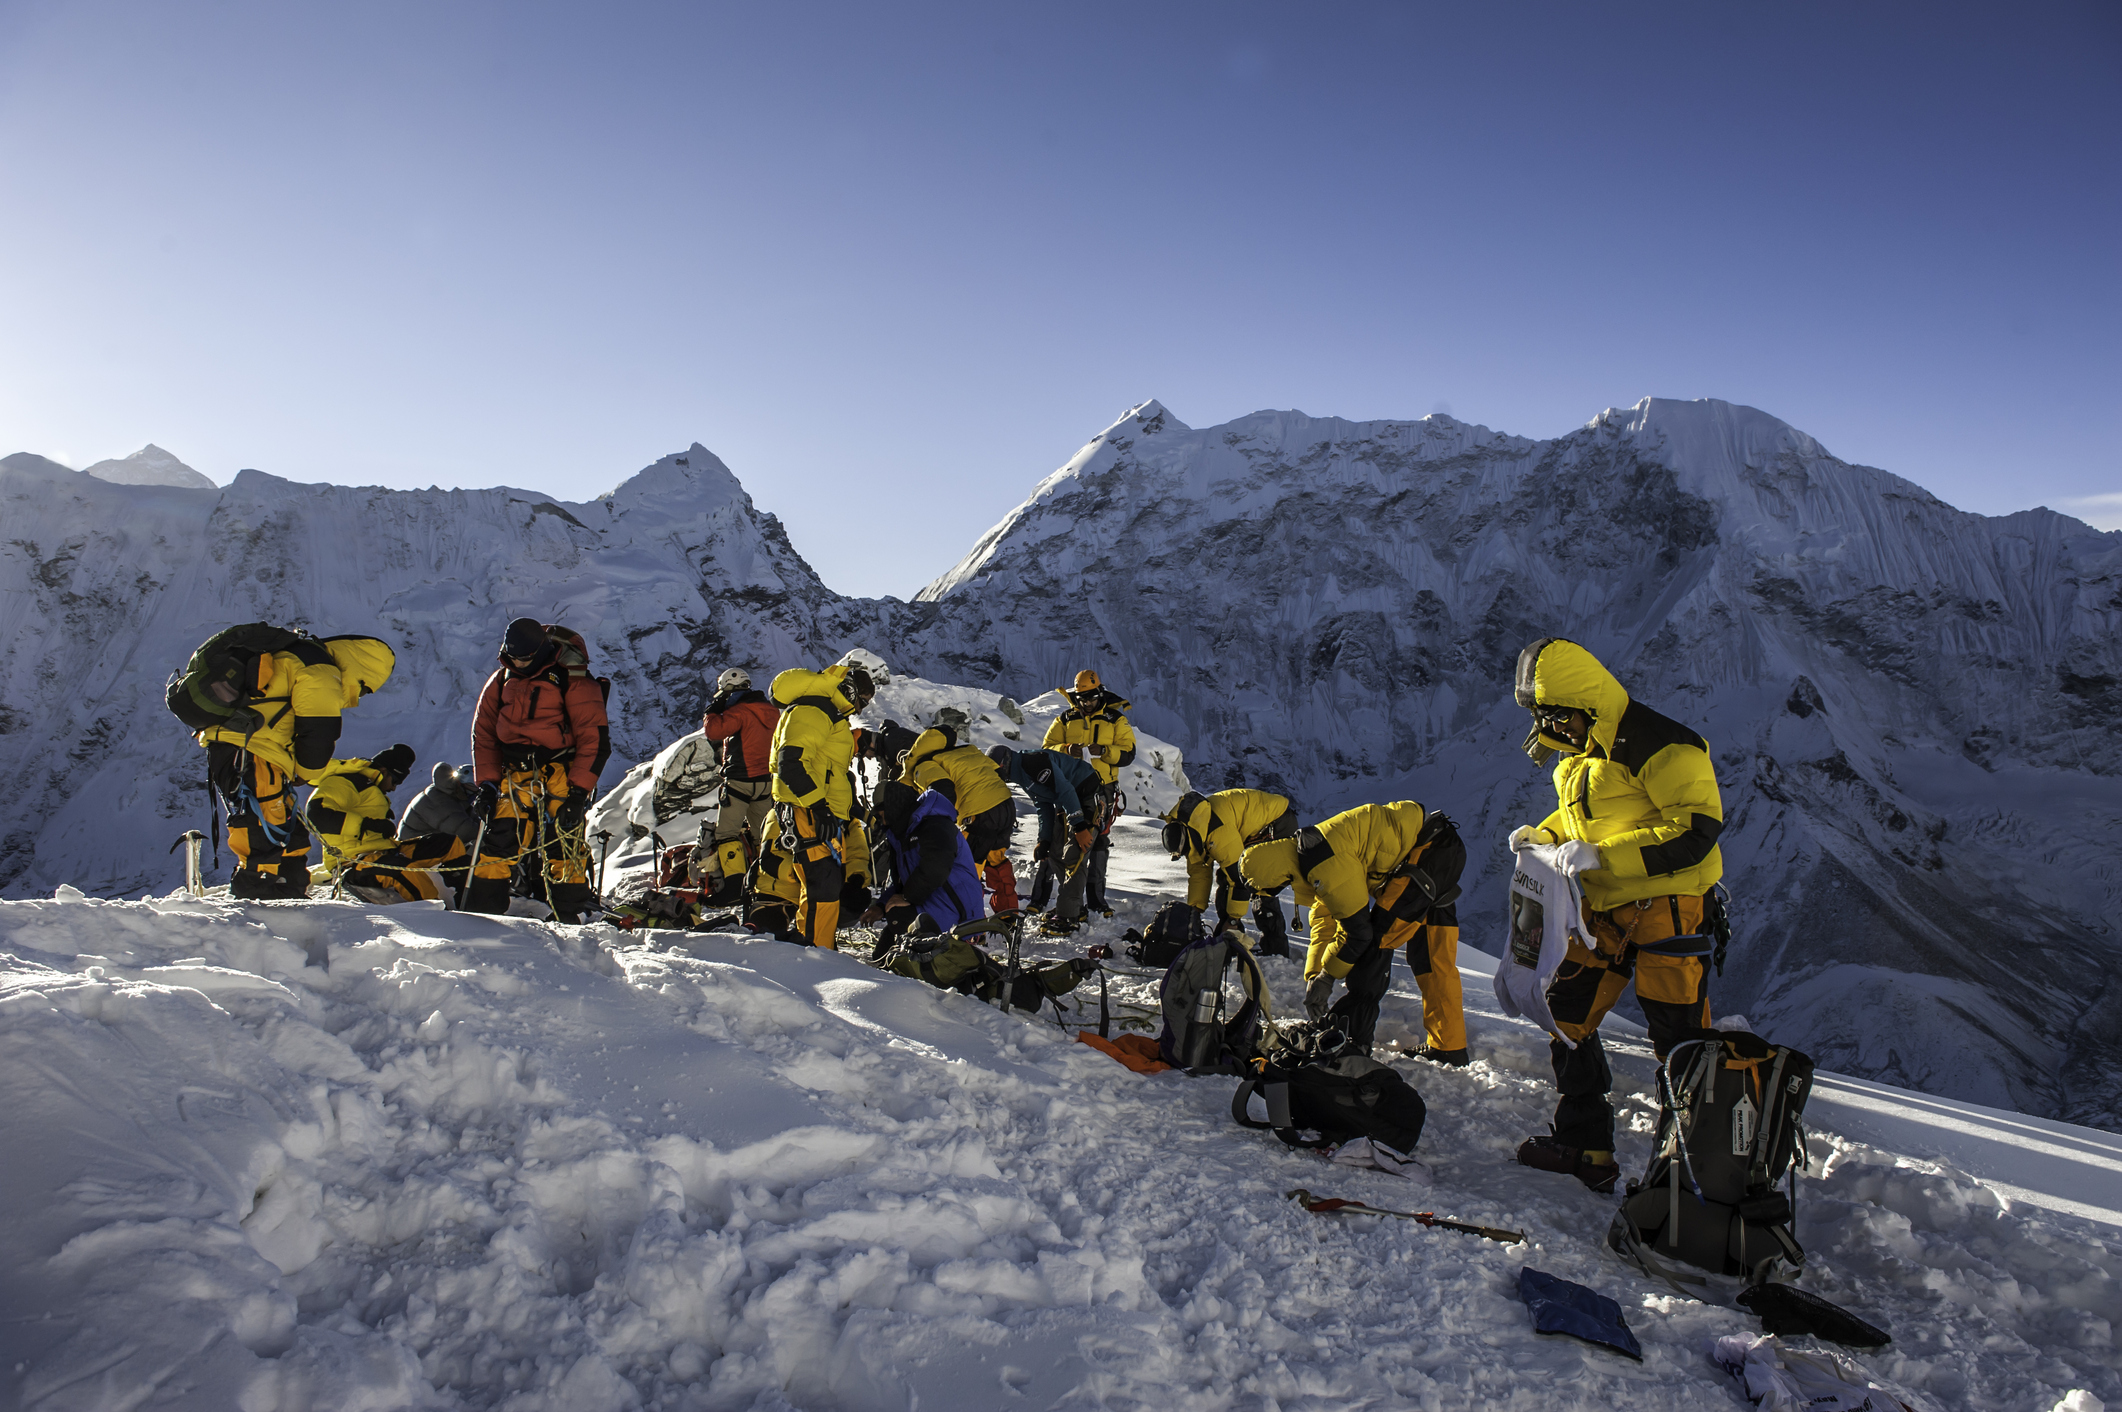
{"x":325,"y":1155}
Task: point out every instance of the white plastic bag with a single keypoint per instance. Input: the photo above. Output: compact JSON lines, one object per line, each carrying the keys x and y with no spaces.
{"x":1546,"y":913}
{"x":1782,"y":1379}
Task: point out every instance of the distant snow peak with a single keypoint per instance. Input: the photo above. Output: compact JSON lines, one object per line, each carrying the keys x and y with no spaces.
{"x":150,"y":465}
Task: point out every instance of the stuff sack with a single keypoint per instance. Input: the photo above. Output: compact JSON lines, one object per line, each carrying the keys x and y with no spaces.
{"x":1729,"y":1127}
{"x":1175,"y":927}
{"x":948,"y":961}
{"x":1546,"y":914}
{"x":1333,"y":1102}
{"x":1198,"y":1035}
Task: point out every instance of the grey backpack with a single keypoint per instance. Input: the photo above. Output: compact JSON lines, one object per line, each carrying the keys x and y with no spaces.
{"x":1729,"y":1128}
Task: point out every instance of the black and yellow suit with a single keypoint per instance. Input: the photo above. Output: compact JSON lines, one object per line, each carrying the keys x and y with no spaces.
{"x":813,"y":750}
{"x":1642,"y":789}
{"x":350,"y":811}
{"x":298,"y":694}
{"x":1217,"y":830}
{"x":1378,"y":878}
{"x":987,"y":811}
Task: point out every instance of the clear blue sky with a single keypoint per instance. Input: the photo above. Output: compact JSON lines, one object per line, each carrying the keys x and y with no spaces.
{"x":897,"y":262}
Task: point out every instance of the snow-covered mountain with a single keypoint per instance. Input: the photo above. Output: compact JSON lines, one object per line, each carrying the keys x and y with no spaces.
{"x":108,"y":588}
{"x":1913,"y":709}
{"x":150,"y":465}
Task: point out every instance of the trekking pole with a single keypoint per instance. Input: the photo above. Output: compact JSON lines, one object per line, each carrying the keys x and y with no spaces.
{"x":1335,"y":1206}
{"x":604,"y":849}
{"x":190,"y":840}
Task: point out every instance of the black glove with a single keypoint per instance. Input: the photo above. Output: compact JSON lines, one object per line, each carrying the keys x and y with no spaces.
{"x":569,"y":815}
{"x":830,"y":826}
{"x":484,"y":798}
{"x":720,"y":704}
{"x":1040,"y":852}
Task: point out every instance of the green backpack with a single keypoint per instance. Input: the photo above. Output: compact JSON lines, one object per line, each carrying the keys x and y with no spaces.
{"x":214,"y":687}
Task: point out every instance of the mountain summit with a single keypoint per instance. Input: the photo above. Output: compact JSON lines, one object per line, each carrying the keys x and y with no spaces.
{"x":150,"y":465}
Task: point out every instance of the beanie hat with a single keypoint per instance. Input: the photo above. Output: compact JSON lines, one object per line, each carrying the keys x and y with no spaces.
{"x":396,"y":761}
{"x":525,"y":638}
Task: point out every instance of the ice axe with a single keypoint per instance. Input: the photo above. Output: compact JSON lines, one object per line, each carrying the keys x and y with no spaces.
{"x":1336,"y":1206}
{"x":189,"y":841}
{"x":478,"y":845}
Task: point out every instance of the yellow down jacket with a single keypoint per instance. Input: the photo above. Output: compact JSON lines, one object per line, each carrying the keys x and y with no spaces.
{"x":1643,"y":791}
{"x":1368,"y":842}
{"x":974,"y":784}
{"x":1217,"y":828}
{"x":813,"y":745}
{"x":349,"y":812}
{"x":300,"y":692}
{"x":1094,"y":728}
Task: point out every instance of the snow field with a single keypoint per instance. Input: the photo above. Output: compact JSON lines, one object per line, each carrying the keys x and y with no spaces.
{"x":325,"y":1155}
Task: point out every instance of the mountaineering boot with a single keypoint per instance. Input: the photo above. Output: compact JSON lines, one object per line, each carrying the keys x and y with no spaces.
{"x":1547,"y":1155}
{"x":257,"y":885}
{"x":729,"y":894}
{"x":1456,"y":1058}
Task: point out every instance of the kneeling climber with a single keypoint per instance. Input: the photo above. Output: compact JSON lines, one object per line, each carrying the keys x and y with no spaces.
{"x":445,"y":807}
{"x":265,"y":703}
{"x":1376,"y":877}
{"x":1211,"y":832}
{"x":350,"y":810}
{"x":929,"y":869}
{"x":540,"y":738}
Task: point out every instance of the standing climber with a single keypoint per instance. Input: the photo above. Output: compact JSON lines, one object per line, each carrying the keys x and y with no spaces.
{"x":741,"y":722}
{"x":265,"y":703}
{"x":813,"y":750}
{"x":1094,"y":728}
{"x":1639,"y":811}
{"x":931,"y":866}
{"x":943,"y":758}
{"x":1064,"y":793}
{"x":540,"y":738}
{"x":1211,"y":832}
{"x":1378,"y":878}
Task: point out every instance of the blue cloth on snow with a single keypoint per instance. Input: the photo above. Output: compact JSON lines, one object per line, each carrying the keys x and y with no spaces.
{"x":1560,"y":1307}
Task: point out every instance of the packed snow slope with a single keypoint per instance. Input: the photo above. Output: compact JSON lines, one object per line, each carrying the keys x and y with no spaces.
{"x":322,"y":1155}
{"x":1914,"y":711}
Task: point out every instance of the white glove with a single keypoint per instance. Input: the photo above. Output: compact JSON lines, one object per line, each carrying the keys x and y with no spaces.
{"x":1525,"y":836}
{"x":1577,"y":857}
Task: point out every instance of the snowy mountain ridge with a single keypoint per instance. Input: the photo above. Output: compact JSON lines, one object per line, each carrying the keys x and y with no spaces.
{"x":1914,"y":710}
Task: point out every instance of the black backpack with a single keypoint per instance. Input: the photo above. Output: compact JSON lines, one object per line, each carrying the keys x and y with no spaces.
{"x":1199,"y":1036}
{"x":1175,"y":927}
{"x":1729,"y":1128}
{"x":1327,"y":1102}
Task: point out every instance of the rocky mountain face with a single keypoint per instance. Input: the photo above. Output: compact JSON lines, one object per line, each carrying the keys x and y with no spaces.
{"x":105,"y":589}
{"x":1913,"y":709}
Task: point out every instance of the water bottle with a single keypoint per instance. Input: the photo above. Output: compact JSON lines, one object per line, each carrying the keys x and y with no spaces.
{"x":1205,"y":1037}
